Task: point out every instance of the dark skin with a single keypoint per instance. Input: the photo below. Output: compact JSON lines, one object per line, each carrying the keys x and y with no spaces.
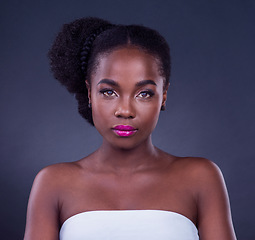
{"x":129,"y":172}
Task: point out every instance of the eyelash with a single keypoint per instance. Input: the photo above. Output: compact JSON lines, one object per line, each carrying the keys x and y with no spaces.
{"x":105,"y":90}
{"x":148,"y":92}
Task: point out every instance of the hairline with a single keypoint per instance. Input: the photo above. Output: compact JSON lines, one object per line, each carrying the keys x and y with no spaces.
{"x":105,"y":53}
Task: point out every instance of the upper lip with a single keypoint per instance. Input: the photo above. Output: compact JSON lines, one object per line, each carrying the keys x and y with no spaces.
{"x":124,"y":128}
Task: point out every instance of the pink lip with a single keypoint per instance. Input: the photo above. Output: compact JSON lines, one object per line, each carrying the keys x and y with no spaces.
{"x":124,"y":130}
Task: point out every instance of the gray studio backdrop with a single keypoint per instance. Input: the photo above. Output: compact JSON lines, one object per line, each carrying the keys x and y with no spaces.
{"x":210,"y":107}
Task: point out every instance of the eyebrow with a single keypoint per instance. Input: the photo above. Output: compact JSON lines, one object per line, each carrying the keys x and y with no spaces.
{"x":145,"y":82}
{"x":138,"y":84}
{"x":108,"y":81}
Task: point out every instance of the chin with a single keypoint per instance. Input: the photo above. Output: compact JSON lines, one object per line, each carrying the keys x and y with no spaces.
{"x":127,"y":144}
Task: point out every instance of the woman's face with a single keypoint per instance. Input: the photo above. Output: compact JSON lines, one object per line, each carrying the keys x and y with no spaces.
{"x":126,"y":93}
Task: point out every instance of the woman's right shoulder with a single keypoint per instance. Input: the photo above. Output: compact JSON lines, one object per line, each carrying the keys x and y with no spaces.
{"x":56,"y":175}
{"x":53,"y":179}
{"x":45,"y":199}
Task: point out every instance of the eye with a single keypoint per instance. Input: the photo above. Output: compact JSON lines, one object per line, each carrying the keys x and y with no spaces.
{"x":108,"y":92}
{"x":145,"y":94}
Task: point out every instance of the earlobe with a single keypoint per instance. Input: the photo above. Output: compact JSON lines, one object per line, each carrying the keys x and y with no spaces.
{"x":163,"y":108}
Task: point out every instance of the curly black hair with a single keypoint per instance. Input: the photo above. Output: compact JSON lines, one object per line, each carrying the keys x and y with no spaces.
{"x":75,"y":52}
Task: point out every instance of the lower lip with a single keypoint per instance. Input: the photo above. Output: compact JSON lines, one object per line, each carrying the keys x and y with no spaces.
{"x":124,"y":133}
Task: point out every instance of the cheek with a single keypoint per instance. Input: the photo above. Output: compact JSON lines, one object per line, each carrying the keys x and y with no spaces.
{"x":100,"y":110}
{"x":148,"y":117}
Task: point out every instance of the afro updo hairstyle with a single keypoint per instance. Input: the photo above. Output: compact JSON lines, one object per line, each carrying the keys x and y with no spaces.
{"x":75,"y":52}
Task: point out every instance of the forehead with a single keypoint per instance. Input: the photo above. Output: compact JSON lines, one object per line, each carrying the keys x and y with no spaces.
{"x":127,"y":64}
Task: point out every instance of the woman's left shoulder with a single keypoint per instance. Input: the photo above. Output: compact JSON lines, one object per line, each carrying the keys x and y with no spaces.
{"x":200,"y":172}
{"x":199,"y":167}
{"x":206,"y":181}
{"x":207,"y":184}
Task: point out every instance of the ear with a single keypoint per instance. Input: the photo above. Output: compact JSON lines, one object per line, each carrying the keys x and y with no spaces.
{"x":165,"y":95}
{"x":89,"y":90}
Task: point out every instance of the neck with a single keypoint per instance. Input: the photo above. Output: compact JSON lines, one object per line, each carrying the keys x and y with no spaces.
{"x":127,"y":160}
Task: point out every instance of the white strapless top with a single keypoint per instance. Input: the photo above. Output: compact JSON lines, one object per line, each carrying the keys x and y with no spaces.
{"x":128,"y":225}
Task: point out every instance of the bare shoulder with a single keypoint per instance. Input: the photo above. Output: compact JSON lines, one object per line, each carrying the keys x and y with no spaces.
{"x":200,"y":175}
{"x":206,"y":177}
{"x":205,"y":173}
{"x":54,"y":179}
{"x":59,"y":169}
{"x":57,"y":174}
{"x":198,"y":168}
{"x":208,"y":186}
{"x":198,"y":163}
{"x":44,"y":201}
{"x":50,"y":181}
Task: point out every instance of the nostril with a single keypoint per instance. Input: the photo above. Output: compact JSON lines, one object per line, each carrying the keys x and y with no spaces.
{"x":124,"y":114}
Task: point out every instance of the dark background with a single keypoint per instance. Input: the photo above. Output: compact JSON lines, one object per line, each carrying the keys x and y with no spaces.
{"x":210,"y":108}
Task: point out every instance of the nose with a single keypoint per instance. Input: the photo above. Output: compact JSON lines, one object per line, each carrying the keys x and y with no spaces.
{"x":125,"y":109}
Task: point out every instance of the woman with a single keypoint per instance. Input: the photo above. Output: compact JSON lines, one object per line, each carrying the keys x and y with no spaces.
{"x":128,"y":188}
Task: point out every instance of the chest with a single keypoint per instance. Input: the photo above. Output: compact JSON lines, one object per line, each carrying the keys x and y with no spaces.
{"x":141,"y":191}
